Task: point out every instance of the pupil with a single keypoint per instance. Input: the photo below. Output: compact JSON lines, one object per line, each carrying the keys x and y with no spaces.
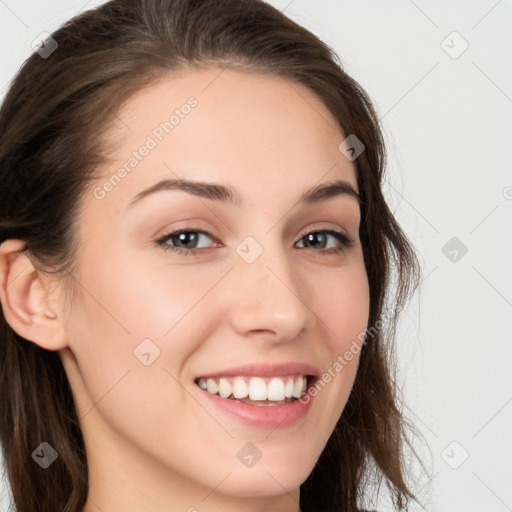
{"x":183,"y":237}
{"x":313,"y":236}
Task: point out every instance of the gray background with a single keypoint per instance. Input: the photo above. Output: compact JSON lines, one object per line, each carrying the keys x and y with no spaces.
{"x":447,"y":118}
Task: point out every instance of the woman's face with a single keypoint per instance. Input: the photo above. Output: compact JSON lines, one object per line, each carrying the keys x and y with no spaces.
{"x":250,"y":303}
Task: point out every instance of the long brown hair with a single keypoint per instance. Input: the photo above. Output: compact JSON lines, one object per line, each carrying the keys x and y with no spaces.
{"x":52,"y":126}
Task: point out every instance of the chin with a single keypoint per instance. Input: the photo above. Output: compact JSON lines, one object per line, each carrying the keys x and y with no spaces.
{"x":267,"y":479}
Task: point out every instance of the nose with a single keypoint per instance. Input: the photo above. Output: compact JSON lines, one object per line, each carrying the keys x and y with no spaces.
{"x":270,"y":298}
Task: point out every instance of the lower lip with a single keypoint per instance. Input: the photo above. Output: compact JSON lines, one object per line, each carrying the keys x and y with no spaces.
{"x":263,"y":416}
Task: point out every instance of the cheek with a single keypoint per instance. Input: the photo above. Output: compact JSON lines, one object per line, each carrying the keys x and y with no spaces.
{"x":132,"y":313}
{"x":343,"y":303}
{"x":132,"y":300}
{"x":132,"y":332}
{"x":344,"y":307}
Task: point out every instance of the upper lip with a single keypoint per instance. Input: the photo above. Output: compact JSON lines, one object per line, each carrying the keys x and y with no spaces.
{"x":265,"y":370}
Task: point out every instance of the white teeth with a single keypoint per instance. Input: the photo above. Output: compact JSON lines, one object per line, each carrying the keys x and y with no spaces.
{"x":297,"y":388}
{"x":212,"y":386}
{"x":257,"y":389}
{"x":288,"y":390}
{"x":225,"y":388}
{"x":240,"y":388}
{"x":274,"y":389}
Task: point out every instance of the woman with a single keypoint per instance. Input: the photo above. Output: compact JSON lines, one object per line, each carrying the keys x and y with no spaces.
{"x":196,"y":260}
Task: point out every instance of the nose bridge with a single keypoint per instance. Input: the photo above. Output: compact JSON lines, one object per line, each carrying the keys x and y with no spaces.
{"x":268,"y":291}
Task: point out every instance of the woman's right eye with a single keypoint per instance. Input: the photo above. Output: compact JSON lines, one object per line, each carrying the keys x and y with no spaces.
{"x":182,"y":236}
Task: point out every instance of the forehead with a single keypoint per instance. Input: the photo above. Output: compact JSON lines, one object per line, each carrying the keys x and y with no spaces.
{"x":255,"y":130}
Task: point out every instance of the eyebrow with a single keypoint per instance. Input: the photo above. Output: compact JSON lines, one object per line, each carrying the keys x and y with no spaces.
{"x":226,"y":194}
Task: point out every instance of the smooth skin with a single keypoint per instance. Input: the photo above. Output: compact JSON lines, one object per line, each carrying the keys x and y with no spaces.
{"x":153,"y":442}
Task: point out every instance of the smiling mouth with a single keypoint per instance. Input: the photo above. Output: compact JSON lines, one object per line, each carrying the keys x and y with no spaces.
{"x":258,"y":391}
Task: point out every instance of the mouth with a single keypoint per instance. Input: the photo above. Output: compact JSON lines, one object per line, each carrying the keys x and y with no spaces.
{"x":259,"y":391}
{"x":269,"y":396}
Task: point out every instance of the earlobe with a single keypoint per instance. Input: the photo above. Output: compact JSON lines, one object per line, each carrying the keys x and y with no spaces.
{"x":26,"y":303}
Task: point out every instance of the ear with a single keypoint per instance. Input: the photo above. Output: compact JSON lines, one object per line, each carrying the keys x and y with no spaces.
{"x":26,"y":302}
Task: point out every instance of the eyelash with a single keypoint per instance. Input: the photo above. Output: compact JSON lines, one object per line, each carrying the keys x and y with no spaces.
{"x":343,"y":239}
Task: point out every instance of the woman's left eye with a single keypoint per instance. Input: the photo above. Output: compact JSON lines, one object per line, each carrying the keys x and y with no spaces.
{"x":189,"y":236}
